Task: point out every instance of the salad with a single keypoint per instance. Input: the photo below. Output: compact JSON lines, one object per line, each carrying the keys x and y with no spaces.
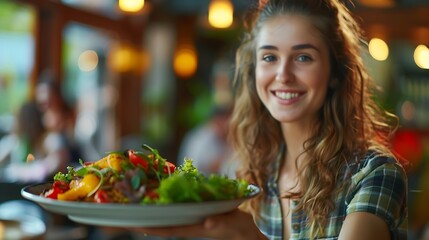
{"x":142,"y":176}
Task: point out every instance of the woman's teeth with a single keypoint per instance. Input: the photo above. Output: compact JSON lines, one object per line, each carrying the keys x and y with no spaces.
{"x":286,"y":95}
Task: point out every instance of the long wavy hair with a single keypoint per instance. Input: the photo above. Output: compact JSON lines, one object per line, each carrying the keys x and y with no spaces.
{"x":349,"y":122}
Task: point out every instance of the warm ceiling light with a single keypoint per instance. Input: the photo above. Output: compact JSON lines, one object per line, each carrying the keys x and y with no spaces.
{"x":122,"y":58}
{"x":221,"y":13}
{"x":421,"y":56}
{"x":377,"y":3}
{"x":185,"y":61}
{"x":378,"y":49}
{"x":131,"y":5}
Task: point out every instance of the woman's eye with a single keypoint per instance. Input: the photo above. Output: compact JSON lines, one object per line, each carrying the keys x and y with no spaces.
{"x":304,"y":58}
{"x":268,"y":58}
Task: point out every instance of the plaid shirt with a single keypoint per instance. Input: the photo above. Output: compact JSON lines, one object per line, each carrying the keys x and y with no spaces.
{"x":376,"y":185}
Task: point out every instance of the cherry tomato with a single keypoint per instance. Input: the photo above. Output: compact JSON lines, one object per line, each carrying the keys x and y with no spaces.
{"x":57,"y":188}
{"x":61,"y":185}
{"x":138,"y":159}
{"x":101,"y":197}
{"x":169,"y":167}
{"x":52,"y":193}
{"x":152,"y":194}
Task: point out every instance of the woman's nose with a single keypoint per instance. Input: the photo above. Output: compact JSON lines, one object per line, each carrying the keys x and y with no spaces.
{"x":284,"y":72}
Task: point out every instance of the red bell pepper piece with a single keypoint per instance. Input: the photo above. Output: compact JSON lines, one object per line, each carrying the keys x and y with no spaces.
{"x":138,"y":160}
{"x":152,"y":194}
{"x":57,"y":188}
{"x":101,"y":197}
{"x":169,"y":167}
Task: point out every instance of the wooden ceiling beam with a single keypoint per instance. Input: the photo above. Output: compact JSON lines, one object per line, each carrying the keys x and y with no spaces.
{"x":410,"y":23}
{"x":123,"y":26}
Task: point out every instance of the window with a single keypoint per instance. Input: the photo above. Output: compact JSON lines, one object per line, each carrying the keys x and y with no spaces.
{"x":90,"y":86}
{"x":16,"y":59}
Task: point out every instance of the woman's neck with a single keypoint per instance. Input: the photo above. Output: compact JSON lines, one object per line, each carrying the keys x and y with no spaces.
{"x":295,"y":136}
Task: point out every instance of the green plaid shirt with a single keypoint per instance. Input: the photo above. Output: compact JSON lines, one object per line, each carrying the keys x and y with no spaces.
{"x":376,"y":185}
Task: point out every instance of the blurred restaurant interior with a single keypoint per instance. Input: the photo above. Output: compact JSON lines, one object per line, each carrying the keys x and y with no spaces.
{"x":146,"y":73}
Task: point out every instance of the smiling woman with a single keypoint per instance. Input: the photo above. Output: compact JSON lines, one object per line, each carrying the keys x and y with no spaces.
{"x":314,"y":100}
{"x":305,"y":128}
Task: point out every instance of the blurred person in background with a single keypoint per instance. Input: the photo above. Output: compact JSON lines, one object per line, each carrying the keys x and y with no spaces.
{"x":207,"y":144}
{"x":27,"y":133}
{"x":30,"y":153}
{"x":57,"y":115}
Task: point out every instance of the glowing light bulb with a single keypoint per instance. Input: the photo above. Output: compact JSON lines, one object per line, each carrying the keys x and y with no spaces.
{"x":421,"y":56}
{"x":131,"y":5}
{"x":221,"y":13}
{"x":185,"y":62}
{"x":378,"y":49}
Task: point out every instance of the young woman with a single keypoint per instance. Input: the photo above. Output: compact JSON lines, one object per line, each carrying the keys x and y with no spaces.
{"x":309,"y":133}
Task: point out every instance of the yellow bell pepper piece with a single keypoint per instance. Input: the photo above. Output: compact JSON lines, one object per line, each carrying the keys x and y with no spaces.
{"x":112,"y":160}
{"x":81,"y":189}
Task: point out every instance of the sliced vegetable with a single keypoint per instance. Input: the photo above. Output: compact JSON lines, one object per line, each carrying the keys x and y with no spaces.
{"x":113,"y":161}
{"x":101,"y":196}
{"x":142,"y":177}
{"x":81,"y":189}
{"x":169,"y":167}
{"x":57,"y":188}
{"x":138,"y":159}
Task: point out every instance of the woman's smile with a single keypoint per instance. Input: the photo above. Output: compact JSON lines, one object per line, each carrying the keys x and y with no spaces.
{"x":288,"y":95}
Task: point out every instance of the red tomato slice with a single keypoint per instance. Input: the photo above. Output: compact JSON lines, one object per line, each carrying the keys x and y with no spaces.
{"x":57,"y":188}
{"x":52,"y":193}
{"x":152,"y":194}
{"x":169,"y":167}
{"x":138,"y":159}
{"x":101,"y":197}
{"x":64,"y":186}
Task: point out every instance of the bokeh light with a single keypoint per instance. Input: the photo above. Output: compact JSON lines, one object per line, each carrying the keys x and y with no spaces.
{"x":131,"y":5}
{"x":221,"y":13}
{"x":185,"y":61}
{"x":421,"y":56}
{"x":88,"y":60}
{"x":378,"y":49}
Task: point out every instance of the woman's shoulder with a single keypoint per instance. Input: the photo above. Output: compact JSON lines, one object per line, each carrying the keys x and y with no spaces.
{"x":379,"y":186}
{"x":375,"y":165}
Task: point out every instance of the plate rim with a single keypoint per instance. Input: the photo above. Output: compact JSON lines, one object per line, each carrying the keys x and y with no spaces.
{"x":142,"y":215}
{"x":43,"y":200}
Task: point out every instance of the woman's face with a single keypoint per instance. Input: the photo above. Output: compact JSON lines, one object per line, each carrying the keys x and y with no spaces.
{"x":292,"y":68}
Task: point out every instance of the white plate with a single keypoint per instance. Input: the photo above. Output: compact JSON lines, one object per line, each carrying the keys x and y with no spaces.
{"x":132,"y":215}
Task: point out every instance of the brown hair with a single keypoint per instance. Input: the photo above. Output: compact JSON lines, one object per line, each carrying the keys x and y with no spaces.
{"x":349,"y":122}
